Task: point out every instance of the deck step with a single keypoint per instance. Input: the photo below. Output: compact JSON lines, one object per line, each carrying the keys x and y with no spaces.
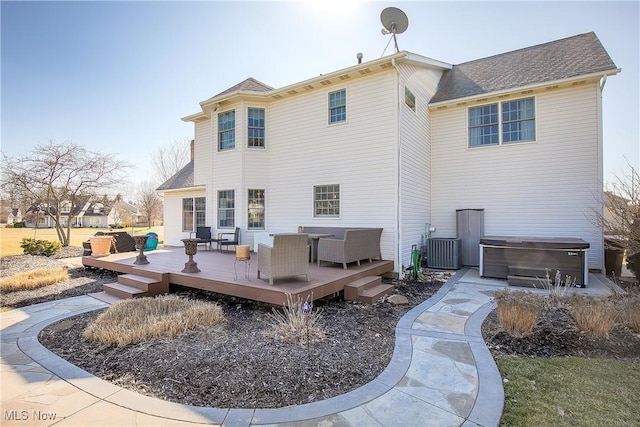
{"x":123,"y":291}
{"x":373,"y":295}
{"x":524,"y":281}
{"x":105,"y":297}
{"x":368,"y":289}
{"x":136,"y":281}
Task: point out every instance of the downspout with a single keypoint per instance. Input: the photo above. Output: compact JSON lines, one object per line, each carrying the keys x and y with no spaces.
{"x":398,"y":248}
{"x":600,"y":207}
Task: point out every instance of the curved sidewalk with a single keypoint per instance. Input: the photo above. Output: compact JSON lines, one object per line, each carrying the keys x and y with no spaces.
{"x":441,"y":374}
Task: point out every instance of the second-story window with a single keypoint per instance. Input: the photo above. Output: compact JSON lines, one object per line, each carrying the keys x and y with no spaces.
{"x":338,"y":106}
{"x":227,"y":130}
{"x":255,"y":127}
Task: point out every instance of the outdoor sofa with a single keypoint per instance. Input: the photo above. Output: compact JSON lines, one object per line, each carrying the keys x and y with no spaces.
{"x":354,"y":246}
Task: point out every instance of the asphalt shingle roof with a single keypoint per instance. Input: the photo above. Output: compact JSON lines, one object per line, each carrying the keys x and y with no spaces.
{"x":248,"y":85}
{"x":182,"y":179}
{"x":570,"y":57}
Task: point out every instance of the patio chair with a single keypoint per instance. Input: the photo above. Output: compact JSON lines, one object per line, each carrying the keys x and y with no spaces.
{"x":203,"y":234}
{"x":229,"y":238}
{"x":289,"y":256}
{"x":152,"y":241}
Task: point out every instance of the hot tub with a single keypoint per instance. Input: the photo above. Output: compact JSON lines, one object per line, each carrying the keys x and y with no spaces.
{"x":518,"y":258}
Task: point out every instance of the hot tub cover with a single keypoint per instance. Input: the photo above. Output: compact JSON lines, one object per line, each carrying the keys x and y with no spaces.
{"x":535,"y":242}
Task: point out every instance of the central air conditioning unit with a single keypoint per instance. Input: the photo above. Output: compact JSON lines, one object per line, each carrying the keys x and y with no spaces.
{"x":444,"y":253}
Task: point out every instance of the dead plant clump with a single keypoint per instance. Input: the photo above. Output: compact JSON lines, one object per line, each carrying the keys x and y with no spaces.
{"x":133,"y":321}
{"x":595,"y":316}
{"x":518,"y":311}
{"x":628,"y":311}
{"x":33,"y":279}
{"x":296,"y":323}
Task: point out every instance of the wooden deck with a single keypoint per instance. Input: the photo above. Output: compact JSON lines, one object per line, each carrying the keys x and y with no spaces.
{"x":218,"y":275}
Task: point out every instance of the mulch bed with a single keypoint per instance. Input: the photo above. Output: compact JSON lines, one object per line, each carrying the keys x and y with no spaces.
{"x":237,"y":365}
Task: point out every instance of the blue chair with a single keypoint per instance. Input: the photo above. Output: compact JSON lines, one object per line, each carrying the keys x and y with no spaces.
{"x":152,"y":241}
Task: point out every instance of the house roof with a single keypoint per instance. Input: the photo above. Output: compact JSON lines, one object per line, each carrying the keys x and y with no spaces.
{"x":579,"y":55}
{"x":182,"y":179}
{"x":248,"y":85}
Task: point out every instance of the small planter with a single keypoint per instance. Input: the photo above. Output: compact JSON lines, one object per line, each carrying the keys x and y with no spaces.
{"x":100,"y":245}
{"x":190,"y":248}
{"x":141,"y":242}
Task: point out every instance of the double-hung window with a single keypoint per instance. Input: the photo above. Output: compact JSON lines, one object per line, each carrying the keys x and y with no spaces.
{"x":409,"y":99}
{"x":227,"y":130}
{"x":502,"y":123}
{"x":255,"y":127}
{"x":326,"y":201}
{"x":193,"y":213}
{"x":338,"y":106}
{"x":255,"y":216}
{"x":226,"y":209}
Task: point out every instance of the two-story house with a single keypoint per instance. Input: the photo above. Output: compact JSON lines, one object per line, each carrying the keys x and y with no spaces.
{"x":404,"y":141}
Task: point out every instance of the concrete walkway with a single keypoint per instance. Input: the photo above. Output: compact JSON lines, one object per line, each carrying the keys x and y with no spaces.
{"x":441,"y":374}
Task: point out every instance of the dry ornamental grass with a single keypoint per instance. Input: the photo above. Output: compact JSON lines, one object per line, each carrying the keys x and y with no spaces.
{"x":136,"y":320}
{"x":518,"y":311}
{"x":33,"y":279}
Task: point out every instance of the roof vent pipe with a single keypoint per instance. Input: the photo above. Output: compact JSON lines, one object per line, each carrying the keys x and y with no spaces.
{"x":359,"y":56}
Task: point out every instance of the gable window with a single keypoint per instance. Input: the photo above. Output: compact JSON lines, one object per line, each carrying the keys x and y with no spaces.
{"x":409,"y":99}
{"x":255,"y":127}
{"x":502,"y":123}
{"x":255,"y":216}
{"x":338,"y":106}
{"x":193,"y":213}
{"x":226,"y":209}
{"x":227,"y":130}
{"x":326,"y":200}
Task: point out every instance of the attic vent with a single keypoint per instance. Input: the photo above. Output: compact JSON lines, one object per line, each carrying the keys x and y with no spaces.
{"x":442,"y":107}
{"x":325,"y":82}
{"x":277,"y":96}
{"x":524,"y":92}
{"x":503,"y":96}
{"x":386,"y":65}
{"x":292,"y":92}
{"x":365,"y":71}
{"x":461,"y":103}
{"x":344,"y":77}
{"x":551,"y":87}
{"x":308,"y":87}
{"x":581,"y":82}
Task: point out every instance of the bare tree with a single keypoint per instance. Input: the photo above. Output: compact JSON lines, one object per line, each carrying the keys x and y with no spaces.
{"x":59,"y":176}
{"x":621,"y":216}
{"x":168,"y":159}
{"x":149,"y":202}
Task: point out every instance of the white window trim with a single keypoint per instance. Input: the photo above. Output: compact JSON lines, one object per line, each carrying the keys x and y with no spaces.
{"x":346,"y":106}
{"x":216,"y":127}
{"x":313,"y":202}
{"x":501,"y":143}
{"x":256,"y":107}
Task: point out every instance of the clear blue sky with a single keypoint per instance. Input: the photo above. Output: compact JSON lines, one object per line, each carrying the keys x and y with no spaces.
{"x":117,"y":77}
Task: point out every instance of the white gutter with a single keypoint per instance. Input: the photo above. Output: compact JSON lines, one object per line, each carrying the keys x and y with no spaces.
{"x":535,"y":86}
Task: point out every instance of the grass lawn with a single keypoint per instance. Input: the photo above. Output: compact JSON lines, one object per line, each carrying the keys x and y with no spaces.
{"x":10,"y":238}
{"x":570,"y":392}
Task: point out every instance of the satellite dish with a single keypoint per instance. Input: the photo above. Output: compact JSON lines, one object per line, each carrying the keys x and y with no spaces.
{"x":394,"y":22}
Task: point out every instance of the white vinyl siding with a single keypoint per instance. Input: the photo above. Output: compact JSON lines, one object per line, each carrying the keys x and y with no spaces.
{"x":172,"y":208}
{"x":548,"y":188}
{"x":415,"y":155}
{"x":359,"y":155}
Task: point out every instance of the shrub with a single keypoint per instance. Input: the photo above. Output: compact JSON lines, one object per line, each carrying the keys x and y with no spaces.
{"x":628,"y":310}
{"x":633,"y":264}
{"x":136,"y":320}
{"x":518,"y":311}
{"x":297,"y":323}
{"x":557,"y":288}
{"x":19,"y":224}
{"x":33,"y":279}
{"x":595,"y":316}
{"x":40,"y":247}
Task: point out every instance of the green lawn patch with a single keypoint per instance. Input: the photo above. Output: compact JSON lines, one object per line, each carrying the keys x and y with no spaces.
{"x":570,"y":392}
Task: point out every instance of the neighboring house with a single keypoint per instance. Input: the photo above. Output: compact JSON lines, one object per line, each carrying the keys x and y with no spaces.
{"x":404,"y":141}
{"x":15,"y":215}
{"x":36,"y":216}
